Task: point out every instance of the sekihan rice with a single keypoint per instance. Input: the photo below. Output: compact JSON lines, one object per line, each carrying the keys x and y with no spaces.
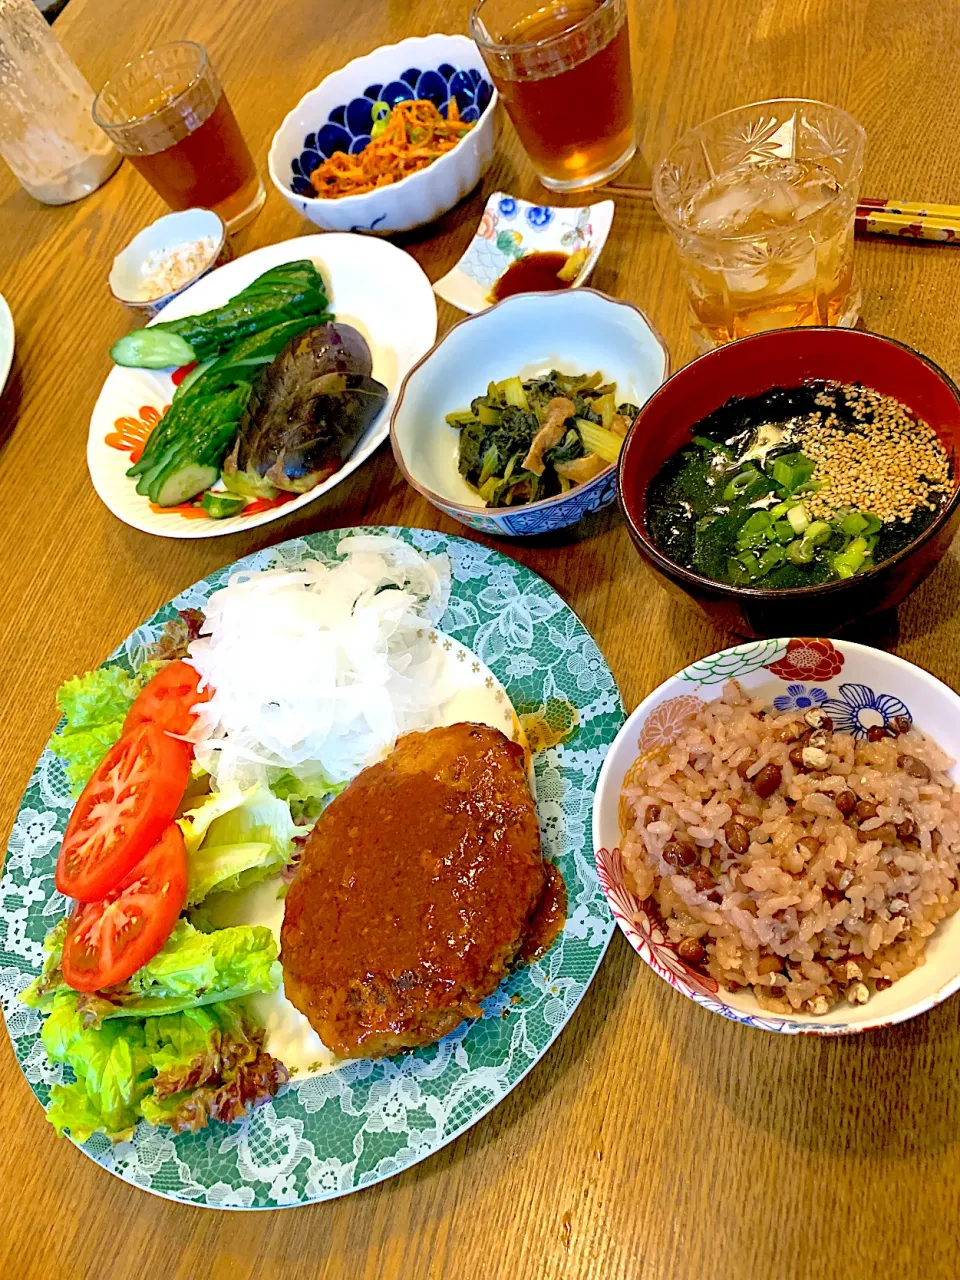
{"x":805,"y":925}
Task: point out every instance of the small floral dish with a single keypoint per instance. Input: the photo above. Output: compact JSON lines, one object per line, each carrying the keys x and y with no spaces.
{"x":863,"y":690}
{"x":512,"y":228}
{"x":167,"y":257}
{"x":337,"y":116}
{"x":532,"y":333}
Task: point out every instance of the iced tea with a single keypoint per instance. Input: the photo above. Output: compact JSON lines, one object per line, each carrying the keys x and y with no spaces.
{"x":563,"y":72}
{"x":763,"y":218}
{"x":168,"y":112}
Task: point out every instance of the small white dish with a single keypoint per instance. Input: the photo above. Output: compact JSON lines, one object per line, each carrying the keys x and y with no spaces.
{"x":511,"y":228}
{"x":372,"y":285}
{"x":859,"y":687}
{"x":6,"y":341}
{"x":526,"y":335}
{"x":165,"y":236}
{"x":336,"y":116}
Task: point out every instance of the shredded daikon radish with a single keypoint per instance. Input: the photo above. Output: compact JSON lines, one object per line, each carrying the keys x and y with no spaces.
{"x":317,"y":669}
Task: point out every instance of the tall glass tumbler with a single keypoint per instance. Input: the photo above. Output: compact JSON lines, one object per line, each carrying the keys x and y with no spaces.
{"x":168,"y":112}
{"x":563,"y":72}
{"x":46,"y":135}
{"x":761,"y":203}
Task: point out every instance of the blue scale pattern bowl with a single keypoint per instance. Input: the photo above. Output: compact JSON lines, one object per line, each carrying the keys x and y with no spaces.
{"x":348,"y":125}
{"x":337,"y":116}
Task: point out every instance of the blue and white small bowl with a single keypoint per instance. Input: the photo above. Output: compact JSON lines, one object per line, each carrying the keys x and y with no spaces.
{"x":336,"y":116}
{"x":526,"y":335}
{"x":859,"y":688}
{"x":511,"y":228}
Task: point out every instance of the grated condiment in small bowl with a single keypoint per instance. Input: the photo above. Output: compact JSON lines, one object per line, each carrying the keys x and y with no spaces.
{"x":166,"y":257}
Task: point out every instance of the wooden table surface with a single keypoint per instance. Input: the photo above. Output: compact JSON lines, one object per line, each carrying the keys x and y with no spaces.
{"x":655,"y":1140}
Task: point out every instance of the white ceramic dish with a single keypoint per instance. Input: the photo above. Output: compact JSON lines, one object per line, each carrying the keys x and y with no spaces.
{"x":863,"y":687}
{"x":376,"y":288}
{"x":512,"y":228}
{"x":336,"y":116}
{"x":573,"y":331}
{"x":6,"y":341}
{"x":171,"y":232}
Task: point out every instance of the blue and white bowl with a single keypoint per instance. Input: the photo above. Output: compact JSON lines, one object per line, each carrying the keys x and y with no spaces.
{"x":529,"y":334}
{"x":859,"y":688}
{"x":336,"y":116}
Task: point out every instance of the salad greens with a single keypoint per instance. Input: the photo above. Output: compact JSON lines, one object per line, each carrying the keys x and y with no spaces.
{"x":307,"y":797}
{"x":191,"y":969}
{"x":95,"y":706}
{"x":179,"y":1069}
{"x":235,"y":839}
{"x":174,"y":1044}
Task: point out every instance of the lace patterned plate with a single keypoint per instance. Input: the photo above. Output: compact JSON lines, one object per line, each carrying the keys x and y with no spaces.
{"x":331,"y":1134}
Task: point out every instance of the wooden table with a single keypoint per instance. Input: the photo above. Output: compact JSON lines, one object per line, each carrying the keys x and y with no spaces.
{"x":655,"y":1140}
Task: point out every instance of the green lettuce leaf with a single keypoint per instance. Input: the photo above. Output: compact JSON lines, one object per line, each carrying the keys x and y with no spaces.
{"x":234,"y":839}
{"x":307,"y":797}
{"x":112,"y":1070}
{"x":95,"y":706}
{"x":41,"y":990}
{"x":210,"y":1063}
{"x":190,"y":969}
{"x":180,"y":1069}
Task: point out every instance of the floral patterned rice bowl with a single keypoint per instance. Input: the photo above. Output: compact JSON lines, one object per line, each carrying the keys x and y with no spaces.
{"x":511,"y":228}
{"x":860,"y":689}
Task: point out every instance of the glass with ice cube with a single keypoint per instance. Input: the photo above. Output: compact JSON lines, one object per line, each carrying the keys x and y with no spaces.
{"x":761,"y":203}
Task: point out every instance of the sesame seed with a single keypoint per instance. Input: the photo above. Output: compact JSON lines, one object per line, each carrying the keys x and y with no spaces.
{"x":882,"y":459}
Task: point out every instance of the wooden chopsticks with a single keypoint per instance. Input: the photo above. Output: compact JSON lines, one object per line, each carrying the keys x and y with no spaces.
{"x":908,"y":221}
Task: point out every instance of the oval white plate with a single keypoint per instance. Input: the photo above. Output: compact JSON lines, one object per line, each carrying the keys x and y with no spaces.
{"x":6,"y":341}
{"x":373,"y":286}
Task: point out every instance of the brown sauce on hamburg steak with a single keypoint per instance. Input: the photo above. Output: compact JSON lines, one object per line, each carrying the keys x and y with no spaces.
{"x":417,"y":889}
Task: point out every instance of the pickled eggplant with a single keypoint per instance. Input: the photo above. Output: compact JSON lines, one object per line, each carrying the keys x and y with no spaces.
{"x":309,"y":409}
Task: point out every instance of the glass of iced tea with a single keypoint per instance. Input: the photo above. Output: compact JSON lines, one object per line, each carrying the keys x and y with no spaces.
{"x":563,"y":72}
{"x":761,"y":203}
{"x":168,"y":112}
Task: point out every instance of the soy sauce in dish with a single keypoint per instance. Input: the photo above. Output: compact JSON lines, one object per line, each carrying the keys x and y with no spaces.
{"x":533,"y":273}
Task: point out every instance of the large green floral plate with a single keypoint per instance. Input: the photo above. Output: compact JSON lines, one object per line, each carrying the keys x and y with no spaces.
{"x":334,"y":1133}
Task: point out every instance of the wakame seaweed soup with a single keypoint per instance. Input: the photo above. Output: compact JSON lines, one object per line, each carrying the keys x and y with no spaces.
{"x":798,"y":486}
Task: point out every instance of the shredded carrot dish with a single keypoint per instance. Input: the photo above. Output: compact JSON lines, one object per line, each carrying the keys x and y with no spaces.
{"x":412,"y":136}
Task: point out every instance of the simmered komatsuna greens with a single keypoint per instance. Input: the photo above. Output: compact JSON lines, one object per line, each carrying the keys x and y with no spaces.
{"x":528,"y":439}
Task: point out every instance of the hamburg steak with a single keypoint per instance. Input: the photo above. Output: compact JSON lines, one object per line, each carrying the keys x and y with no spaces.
{"x":415,"y":892}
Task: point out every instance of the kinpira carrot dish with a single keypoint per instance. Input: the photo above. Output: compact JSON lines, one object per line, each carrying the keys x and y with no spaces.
{"x":404,"y":139}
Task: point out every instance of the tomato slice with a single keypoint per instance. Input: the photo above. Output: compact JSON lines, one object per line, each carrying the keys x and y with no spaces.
{"x":167,"y":698}
{"x":109,"y":940}
{"x":121,"y":811}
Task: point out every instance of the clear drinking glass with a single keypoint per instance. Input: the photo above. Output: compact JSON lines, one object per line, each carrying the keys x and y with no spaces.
{"x":563,"y":72}
{"x":168,"y":112}
{"x":761,"y":202}
{"x":46,"y":134}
